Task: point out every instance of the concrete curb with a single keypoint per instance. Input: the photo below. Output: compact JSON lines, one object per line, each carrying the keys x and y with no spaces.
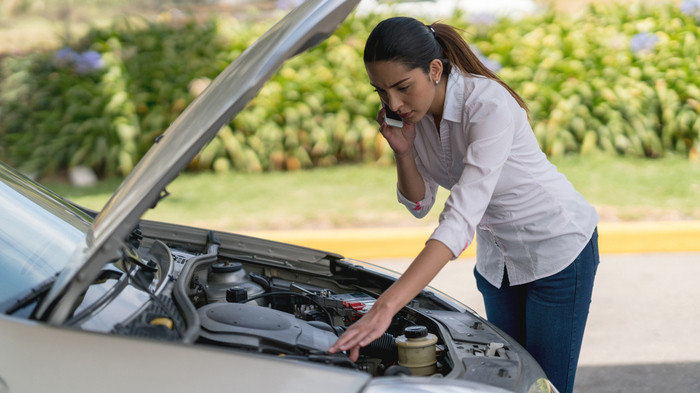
{"x":379,"y":243}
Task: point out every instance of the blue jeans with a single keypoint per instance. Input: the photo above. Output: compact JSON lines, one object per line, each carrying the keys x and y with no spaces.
{"x":547,"y":316}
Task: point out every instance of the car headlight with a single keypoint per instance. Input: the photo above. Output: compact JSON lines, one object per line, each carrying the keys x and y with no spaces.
{"x":542,"y":385}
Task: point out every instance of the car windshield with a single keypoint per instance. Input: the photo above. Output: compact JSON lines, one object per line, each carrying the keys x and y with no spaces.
{"x":39,"y":232}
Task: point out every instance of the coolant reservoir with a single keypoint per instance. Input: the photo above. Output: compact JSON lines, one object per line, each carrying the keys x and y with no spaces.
{"x":226,"y":275}
{"x":417,"y":350}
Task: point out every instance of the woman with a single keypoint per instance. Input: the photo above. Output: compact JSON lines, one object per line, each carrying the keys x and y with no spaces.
{"x":466,"y":130}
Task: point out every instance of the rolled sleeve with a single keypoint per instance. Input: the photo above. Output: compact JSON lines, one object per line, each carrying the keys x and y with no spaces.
{"x":422,"y":207}
{"x":418,"y":209}
{"x":455,"y":238}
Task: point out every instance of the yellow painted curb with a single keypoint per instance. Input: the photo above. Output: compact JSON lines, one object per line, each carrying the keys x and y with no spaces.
{"x":648,"y":237}
{"x":380,"y":243}
{"x":362,"y":244}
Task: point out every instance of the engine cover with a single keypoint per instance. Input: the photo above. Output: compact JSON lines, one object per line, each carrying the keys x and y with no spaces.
{"x":261,"y":329}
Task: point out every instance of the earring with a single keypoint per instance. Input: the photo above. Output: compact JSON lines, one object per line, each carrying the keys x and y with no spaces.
{"x":436,"y":82}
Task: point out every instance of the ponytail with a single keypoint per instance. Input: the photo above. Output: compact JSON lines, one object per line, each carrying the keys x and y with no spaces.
{"x":458,"y":52}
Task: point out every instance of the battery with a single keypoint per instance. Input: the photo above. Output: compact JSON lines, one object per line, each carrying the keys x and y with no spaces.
{"x":359,"y":302}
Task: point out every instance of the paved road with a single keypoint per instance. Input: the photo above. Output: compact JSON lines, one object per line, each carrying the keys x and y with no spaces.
{"x":643,"y":332}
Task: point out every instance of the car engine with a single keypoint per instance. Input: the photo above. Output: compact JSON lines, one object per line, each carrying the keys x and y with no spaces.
{"x":268,"y":298}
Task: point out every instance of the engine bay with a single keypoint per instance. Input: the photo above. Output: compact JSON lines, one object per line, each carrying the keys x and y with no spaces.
{"x":275,"y":299}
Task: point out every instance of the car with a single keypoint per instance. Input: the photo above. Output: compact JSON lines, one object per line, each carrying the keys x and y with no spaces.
{"x":107,"y":301}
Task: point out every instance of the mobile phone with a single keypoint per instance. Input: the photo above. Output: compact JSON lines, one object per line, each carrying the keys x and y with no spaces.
{"x":392,"y":118}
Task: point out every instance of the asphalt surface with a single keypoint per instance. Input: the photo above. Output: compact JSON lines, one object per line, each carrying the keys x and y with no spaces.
{"x":643,"y":326}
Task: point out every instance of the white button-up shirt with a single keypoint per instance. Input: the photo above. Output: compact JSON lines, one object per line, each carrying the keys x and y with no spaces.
{"x":528,"y":218}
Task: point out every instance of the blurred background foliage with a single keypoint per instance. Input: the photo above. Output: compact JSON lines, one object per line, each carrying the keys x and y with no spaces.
{"x":615,"y":79}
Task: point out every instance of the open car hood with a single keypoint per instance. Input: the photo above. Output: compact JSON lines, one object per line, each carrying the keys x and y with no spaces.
{"x":301,"y":29}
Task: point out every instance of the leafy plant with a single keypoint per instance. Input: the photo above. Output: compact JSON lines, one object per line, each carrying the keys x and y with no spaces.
{"x":622,"y":80}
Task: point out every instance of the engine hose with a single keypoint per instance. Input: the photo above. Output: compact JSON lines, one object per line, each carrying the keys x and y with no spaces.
{"x":383,"y":347}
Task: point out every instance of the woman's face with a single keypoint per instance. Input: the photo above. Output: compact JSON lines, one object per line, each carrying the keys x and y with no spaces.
{"x":409,"y":92}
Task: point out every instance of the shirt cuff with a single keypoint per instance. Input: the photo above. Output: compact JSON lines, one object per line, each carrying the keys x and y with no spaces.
{"x":419,"y":209}
{"x":452,"y":237}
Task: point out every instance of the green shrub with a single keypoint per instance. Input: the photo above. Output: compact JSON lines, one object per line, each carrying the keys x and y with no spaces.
{"x":51,"y":120}
{"x":62,"y":109}
{"x":621,"y":80}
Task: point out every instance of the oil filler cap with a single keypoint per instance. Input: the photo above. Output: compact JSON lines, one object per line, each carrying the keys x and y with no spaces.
{"x":416,"y":331}
{"x":236,"y":295}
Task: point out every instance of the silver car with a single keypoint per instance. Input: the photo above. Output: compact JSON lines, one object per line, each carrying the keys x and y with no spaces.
{"x":107,"y":302}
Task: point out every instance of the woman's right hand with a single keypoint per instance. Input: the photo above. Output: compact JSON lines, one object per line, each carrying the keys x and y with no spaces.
{"x":400,"y":139}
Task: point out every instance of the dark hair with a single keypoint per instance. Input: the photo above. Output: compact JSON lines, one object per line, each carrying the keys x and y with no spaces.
{"x":412,"y":43}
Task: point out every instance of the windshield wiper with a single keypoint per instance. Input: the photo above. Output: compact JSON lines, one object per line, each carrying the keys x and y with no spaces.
{"x":35,"y":293}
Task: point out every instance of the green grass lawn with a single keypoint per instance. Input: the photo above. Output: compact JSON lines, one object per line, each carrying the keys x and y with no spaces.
{"x":363,"y":195}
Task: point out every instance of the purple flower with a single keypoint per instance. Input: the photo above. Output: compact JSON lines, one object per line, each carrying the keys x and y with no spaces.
{"x":643,"y":42}
{"x":492,"y":65}
{"x":691,"y":8}
{"x":88,"y":61}
{"x":82,"y":63}
{"x":64,"y":57}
